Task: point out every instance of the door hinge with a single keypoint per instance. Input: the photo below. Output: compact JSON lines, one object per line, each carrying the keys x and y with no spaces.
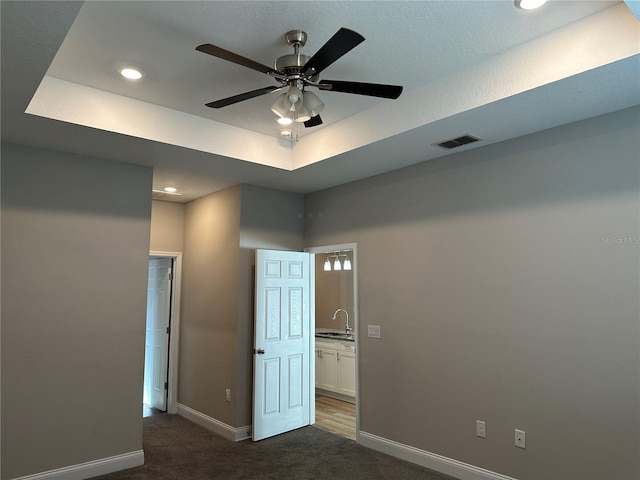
{"x":168,"y":330}
{"x":170,"y":275}
{"x":166,"y":385}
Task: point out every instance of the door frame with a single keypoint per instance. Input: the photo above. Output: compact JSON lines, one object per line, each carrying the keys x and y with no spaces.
{"x":319,"y":250}
{"x":174,"y":336}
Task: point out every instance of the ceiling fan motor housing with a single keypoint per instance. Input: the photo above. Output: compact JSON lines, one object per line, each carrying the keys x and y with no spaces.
{"x":291,"y":64}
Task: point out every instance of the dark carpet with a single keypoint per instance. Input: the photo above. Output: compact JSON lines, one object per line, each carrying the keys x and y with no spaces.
{"x":175,"y":448}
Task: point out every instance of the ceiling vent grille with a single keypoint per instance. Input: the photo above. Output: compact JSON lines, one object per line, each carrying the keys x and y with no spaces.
{"x":162,"y":195}
{"x":457,"y":142}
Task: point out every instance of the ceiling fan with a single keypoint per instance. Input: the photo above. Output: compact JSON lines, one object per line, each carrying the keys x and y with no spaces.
{"x":296,"y":72}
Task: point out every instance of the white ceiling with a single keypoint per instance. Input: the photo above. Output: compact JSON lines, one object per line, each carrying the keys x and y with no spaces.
{"x":479,"y":67}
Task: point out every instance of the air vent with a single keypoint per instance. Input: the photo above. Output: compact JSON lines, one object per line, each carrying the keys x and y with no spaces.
{"x":457,"y":142}
{"x":162,"y":195}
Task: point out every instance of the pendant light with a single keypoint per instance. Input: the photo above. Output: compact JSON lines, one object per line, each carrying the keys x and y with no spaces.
{"x":327,"y":265}
{"x":336,"y":264}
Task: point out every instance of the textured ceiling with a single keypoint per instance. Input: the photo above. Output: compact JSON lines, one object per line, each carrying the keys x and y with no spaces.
{"x":461,"y":63}
{"x":407,"y":43}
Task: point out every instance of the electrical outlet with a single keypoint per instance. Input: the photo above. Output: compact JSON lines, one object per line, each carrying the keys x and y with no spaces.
{"x":228,"y":394}
{"x":373,"y":331}
{"x":520,"y":438}
{"x":481,"y":430}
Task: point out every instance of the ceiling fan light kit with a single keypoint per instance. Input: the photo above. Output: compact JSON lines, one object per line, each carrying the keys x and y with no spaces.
{"x":296,"y":72}
{"x":313,"y":104}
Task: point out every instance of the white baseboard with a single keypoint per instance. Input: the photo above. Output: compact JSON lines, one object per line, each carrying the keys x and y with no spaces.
{"x":91,"y":469}
{"x":336,"y":395}
{"x":216,"y":426}
{"x":436,"y":462}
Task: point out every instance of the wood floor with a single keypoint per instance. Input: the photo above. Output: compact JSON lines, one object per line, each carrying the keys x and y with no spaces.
{"x":336,"y":416}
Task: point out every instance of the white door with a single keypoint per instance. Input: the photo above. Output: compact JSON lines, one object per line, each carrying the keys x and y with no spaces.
{"x":281,"y":390}
{"x":157,"y":333}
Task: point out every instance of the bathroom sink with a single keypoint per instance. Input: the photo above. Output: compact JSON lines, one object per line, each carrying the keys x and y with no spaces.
{"x":336,"y":335}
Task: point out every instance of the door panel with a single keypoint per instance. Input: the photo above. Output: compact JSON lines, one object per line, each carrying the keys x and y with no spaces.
{"x":282,"y":331}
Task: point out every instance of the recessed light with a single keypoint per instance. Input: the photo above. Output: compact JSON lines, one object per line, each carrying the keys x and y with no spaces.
{"x":285,"y":132}
{"x":529,"y":4}
{"x":285,"y":121}
{"x":130,"y":73}
{"x":170,"y":189}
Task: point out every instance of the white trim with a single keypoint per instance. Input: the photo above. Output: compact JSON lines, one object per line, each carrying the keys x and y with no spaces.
{"x":336,"y":395}
{"x":439,"y":463}
{"x":312,"y":338}
{"x":94,"y":468}
{"x":174,"y":342}
{"x":213,"y":425}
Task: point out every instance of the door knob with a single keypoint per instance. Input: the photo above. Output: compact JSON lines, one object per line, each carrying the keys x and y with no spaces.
{"x":259,"y":351}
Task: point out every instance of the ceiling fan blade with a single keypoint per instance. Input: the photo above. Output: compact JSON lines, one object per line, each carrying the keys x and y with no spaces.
{"x":237,"y":59}
{"x":343,"y":41}
{"x":313,"y":122}
{"x":243,"y":96}
{"x":359,"y":88}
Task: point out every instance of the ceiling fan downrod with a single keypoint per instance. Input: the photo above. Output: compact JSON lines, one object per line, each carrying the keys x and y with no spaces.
{"x":291,"y":65}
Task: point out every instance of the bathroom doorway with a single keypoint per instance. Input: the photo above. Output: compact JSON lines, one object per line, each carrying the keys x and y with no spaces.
{"x":335,"y":313}
{"x":162,"y":333}
{"x":156,"y":352}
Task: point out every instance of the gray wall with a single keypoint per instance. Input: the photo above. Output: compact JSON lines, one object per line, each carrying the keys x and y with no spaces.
{"x":167,"y":226}
{"x":222,"y":231}
{"x":270,"y":219}
{"x":506,"y":283}
{"x":208,"y":325}
{"x":75,"y":242}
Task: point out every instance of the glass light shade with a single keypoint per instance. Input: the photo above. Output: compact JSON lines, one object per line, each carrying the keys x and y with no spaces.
{"x":347,"y":264}
{"x":312,"y":103}
{"x":327,"y":265}
{"x":294,"y":95}
{"x":302,"y":115}
{"x":336,"y":264}
{"x":280,"y":106}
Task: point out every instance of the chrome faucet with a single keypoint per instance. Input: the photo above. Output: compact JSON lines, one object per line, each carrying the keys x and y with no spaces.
{"x":348,"y":329}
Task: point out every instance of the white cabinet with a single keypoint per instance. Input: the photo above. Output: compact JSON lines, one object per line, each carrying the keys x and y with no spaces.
{"x":347,"y":372}
{"x":336,"y":367}
{"x":326,"y":366}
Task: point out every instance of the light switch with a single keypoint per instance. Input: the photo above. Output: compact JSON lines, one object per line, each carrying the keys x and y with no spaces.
{"x":481,"y":430}
{"x":373,"y":331}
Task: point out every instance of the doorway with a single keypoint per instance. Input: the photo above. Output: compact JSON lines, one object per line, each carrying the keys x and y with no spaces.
{"x":161,"y":333}
{"x":336,"y":360}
